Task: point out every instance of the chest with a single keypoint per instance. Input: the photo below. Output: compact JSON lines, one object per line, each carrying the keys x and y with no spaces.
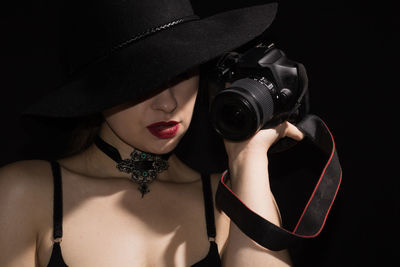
{"x":116,"y":227}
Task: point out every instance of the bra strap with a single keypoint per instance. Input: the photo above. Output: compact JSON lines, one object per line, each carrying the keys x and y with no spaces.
{"x":208,"y":205}
{"x":57,"y":201}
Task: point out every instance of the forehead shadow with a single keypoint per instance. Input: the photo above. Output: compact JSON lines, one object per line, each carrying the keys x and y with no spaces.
{"x":170,"y":83}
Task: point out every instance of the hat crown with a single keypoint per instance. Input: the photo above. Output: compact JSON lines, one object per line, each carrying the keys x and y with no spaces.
{"x":90,"y":29}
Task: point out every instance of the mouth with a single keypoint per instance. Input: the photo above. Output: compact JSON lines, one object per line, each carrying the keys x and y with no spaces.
{"x":164,"y":129}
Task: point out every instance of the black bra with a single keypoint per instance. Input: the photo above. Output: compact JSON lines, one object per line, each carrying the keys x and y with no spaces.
{"x":56,"y":260}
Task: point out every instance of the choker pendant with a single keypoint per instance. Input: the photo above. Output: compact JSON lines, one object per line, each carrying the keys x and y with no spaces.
{"x":142,"y":166}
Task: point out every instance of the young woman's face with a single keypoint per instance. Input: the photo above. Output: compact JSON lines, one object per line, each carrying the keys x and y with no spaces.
{"x":158,"y":123}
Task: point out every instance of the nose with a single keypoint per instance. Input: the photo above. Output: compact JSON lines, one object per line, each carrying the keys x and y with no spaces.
{"x":165,"y":101}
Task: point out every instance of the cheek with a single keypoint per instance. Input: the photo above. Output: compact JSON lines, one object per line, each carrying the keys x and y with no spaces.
{"x":190,"y":87}
{"x":125,"y":123}
{"x":187,"y":99}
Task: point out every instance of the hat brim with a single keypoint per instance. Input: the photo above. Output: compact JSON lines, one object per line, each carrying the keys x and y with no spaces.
{"x":136,"y":71}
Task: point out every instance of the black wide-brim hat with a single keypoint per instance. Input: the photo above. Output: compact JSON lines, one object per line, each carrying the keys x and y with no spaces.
{"x":118,"y":51}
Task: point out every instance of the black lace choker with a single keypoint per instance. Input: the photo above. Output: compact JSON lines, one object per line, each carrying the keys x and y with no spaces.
{"x":142,"y":165}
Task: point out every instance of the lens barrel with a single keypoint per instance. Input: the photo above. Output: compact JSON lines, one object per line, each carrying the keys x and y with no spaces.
{"x":239,"y":111}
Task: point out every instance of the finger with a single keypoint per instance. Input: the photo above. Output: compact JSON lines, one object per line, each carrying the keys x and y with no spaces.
{"x":293,"y":132}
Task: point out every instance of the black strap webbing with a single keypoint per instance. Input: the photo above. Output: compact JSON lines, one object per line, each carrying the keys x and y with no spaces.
{"x":314,"y":214}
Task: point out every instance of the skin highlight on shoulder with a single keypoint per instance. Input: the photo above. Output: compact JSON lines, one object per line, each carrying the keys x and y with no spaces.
{"x":25,"y":209}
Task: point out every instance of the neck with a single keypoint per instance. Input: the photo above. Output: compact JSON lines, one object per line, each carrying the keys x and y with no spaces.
{"x":95,"y":163}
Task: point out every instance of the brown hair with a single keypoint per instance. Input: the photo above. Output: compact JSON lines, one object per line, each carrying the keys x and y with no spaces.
{"x":82,"y":135}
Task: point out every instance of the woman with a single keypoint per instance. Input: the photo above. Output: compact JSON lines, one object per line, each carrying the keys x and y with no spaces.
{"x":137,"y":64}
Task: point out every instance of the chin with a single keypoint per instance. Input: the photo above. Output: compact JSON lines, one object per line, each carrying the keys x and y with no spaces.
{"x":163,"y":146}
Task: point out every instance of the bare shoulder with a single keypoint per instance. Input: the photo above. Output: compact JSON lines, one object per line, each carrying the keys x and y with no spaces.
{"x":24,"y":176}
{"x":214,"y":181}
{"x":25,"y":192}
{"x":24,"y":186}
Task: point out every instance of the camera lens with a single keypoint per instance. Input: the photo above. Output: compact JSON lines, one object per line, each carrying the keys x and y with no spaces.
{"x":233,"y":116}
{"x":240,"y":111}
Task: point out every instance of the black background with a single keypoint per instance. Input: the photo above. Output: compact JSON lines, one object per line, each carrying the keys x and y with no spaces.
{"x":349,"y":52}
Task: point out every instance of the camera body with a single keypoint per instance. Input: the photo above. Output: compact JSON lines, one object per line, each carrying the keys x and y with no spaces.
{"x":264,"y":88}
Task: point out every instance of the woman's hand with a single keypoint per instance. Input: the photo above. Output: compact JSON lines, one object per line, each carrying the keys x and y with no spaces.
{"x":260,"y":143}
{"x":249,"y":180}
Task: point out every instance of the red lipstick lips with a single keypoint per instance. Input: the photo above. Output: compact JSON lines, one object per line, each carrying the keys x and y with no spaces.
{"x":164,"y":129}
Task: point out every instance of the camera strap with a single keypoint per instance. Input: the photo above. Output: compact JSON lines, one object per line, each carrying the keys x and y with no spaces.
{"x":315,"y":212}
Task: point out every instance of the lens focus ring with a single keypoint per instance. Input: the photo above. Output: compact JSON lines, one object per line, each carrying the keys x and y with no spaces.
{"x":261,"y":96}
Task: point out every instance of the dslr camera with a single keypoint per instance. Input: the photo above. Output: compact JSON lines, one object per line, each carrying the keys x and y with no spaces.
{"x":264,"y":88}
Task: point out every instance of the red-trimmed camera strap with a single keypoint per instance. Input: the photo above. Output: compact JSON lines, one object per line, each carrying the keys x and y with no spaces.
{"x":314,"y":214}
